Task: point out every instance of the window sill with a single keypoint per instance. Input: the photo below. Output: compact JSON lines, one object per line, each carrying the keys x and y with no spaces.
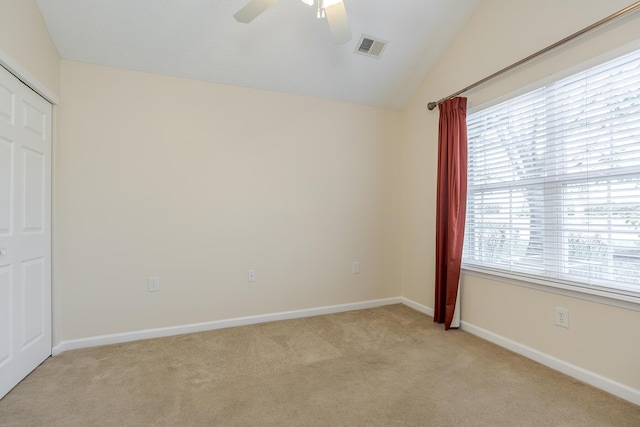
{"x":628,"y":302}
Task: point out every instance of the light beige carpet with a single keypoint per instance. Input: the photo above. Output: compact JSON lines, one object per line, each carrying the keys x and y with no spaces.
{"x":380,"y":367}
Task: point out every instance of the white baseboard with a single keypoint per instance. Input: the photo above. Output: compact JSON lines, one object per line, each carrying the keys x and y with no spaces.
{"x":417,"y":306}
{"x":596,"y":380}
{"x":217,"y":324}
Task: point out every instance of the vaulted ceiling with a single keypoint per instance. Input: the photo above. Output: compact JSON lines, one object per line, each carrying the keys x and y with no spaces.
{"x":285,"y":49}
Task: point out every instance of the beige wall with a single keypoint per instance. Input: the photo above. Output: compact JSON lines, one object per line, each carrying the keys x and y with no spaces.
{"x":24,"y":37}
{"x":601,"y":338}
{"x":197,"y":182}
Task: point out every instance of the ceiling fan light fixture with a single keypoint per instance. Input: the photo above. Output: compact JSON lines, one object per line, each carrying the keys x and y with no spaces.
{"x":332,"y":10}
{"x":321,"y":5}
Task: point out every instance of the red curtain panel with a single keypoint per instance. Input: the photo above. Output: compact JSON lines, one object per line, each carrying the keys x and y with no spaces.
{"x":451,"y":206}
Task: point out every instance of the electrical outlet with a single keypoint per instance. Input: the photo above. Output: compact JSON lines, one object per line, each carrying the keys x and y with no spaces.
{"x":153,"y":283}
{"x":252,"y":276}
{"x":355,"y":267}
{"x":562,"y":317}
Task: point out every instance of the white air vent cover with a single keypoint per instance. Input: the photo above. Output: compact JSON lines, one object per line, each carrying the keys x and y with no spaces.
{"x":370,"y":46}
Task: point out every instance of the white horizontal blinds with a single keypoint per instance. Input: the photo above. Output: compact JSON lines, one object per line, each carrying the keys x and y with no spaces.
{"x":554,"y":180}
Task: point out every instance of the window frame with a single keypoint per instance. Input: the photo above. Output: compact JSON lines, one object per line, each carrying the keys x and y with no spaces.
{"x":605,"y":295}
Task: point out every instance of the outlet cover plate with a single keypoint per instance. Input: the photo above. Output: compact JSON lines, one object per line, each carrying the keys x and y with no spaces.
{"x":153,"y":283}
{"x":562,"y":317}
{"x":355,"y":267}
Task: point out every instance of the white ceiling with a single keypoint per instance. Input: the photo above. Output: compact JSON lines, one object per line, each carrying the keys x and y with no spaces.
{"x":286,"y":49}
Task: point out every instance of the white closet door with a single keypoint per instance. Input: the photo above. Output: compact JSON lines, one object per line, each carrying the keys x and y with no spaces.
{"x":25,"y":230}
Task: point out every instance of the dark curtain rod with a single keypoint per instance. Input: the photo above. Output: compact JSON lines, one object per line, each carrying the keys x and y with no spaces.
{"x":618,"y":14}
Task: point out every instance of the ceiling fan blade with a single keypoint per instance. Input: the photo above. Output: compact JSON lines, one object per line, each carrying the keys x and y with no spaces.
{"x":252,"y":10}
{"x":338,"y":22}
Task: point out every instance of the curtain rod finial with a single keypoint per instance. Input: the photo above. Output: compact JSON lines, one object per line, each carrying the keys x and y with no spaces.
{"x":432,"y":105}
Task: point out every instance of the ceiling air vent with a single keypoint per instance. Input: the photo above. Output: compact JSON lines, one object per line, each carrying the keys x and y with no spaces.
{"x":370,"y":46}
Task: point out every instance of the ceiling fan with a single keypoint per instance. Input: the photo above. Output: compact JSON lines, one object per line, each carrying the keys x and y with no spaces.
{"x":333,"y":10}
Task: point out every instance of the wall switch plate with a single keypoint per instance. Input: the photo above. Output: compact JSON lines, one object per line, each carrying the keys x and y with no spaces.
{"x":252,"y":276}
{"x":355,"y":267}
{"x":562,"y":317}
{"x":153,"y":283}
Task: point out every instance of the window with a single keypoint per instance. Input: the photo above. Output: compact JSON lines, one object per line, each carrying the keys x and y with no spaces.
{"x":554,"y":182}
